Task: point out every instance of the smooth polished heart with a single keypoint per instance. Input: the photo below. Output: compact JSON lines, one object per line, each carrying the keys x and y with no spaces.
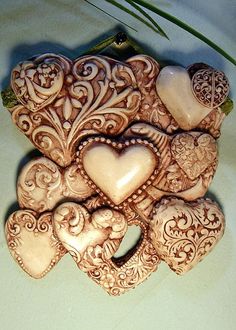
{"x":174,"y":88}
{"x":91,"y":239}
{"x":194,"y":153}
{"x":32,"y":242}
{"x":119,"y":170}
{"x":184,"y":233}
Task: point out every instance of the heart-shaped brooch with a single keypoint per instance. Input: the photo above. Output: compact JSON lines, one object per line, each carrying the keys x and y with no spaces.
{"x":124,"y":143}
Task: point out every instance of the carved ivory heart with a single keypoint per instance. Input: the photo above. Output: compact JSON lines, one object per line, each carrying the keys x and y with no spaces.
{"x":32,"y":242}
{"x":90,"y":239}
{"x":42,"y":184}
{"x":184,"y":233}
{"x":117,"y":169}
{"x":194,"y":153}
{"x":174,"y":88}
{"x":63,"y":101}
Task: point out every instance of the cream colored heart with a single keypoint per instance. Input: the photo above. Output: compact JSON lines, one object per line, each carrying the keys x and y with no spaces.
{"x":118,"y":174}
{"x":32,"y":242}
{"x":174,"y":88}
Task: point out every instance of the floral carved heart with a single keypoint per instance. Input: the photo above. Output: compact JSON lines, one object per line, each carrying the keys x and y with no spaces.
{"x":194,"y":153}
{"x":32,"y":242}
{"x":184,"y":233}
{"x":63,"y":101}
{"x":89,"y":238}
{"x":118,"y":170}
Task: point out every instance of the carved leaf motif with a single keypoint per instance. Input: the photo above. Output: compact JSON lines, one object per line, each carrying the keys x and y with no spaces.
{"x":93,"y":95}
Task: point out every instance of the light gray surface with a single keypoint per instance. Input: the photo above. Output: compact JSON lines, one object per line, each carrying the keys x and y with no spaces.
{"x":205,"y":298}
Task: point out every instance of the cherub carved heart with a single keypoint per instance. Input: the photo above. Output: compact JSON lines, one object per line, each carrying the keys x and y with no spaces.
{"x":63,"y":101}
{"x":184,"y":233}
{"x":32,"y":242}
{"x":118,"y":169}
{"x":194,"y":153}
{"x":90,"y":239}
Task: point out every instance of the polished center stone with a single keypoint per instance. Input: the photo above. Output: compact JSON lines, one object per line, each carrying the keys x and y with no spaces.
{"x":119,"y":174}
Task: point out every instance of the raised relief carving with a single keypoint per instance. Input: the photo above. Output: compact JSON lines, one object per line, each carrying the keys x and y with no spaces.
{"x":123,"y":169}
{"x":210,"y":87}
{"x":92,"y":238}
{"x":184,"y":233}
{"x":89,"y":238}
{"x":32,"y":242}
{"x":92,"y":95}
{"x":126,"y":144}
{"x":42,"y":185}
{"x":187,"y":161}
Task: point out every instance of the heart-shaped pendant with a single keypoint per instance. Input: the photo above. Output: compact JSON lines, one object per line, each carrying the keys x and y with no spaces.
{"x":91,"y":239}
{"x":42,"y":184}
{"x":184,"y":233}
{"x":118,"y":170}
{"x":63,"y":101}
{"x":32,"y":242}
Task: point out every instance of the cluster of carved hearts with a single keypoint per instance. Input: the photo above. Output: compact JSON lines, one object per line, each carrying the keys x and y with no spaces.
{"x":123,"y":144}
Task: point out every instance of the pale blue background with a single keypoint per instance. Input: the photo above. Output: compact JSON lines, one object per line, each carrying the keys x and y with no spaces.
{"x":205,"y":298}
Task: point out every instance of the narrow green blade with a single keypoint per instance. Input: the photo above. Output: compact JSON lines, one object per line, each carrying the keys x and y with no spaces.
{"x":186,"y":27}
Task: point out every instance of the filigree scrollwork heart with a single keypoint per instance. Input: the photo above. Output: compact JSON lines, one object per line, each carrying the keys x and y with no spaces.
{"x":63,"y":101}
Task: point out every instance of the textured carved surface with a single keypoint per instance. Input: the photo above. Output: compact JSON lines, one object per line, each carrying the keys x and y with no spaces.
{"x":152,"y":109}
{"x":116,"y":146}
{"x":32,"y":242}
{"x":187,"y":161}
{"x":42,"y":185}
{"x":194,"y":153}
{"x":97,"y":96}
{"x":89,"y":238}
{"x":184,"y":233}
{"x":210,"y":87}
{"x":117,"y":276}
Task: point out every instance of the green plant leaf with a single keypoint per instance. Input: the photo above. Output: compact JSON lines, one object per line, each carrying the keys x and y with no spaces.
{"x":227,"y":106}
{"x":100,"y":46}
{"x":130,"y":12}
{"x":9,"y":99}
{"x":92,"y":4}
{"x":161,"y":31}
{"x":184,"y":26}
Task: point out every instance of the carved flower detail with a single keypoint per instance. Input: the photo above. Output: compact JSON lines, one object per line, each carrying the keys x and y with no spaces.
{"x":107,"y":280}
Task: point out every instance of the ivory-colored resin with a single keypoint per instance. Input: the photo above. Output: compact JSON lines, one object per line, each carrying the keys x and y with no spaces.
{"x":124,"y":143}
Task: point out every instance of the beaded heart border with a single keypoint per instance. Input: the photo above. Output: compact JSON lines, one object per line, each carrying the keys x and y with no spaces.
{"x":118,"y":145}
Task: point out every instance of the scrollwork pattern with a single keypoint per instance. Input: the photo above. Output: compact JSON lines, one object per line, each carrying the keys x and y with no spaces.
{"x":119,"y":276}
{"x":183,"y":233}
{"x":97,"y":95}
{"x":42,"y":184}
{"x":210,"y":87}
